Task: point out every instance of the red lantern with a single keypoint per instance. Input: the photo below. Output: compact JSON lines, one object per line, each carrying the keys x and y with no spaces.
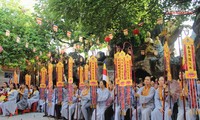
{"x":55,"y":28}
{"x":1,"y":49}
{"x":107,"y":39}
{"x":136,"y":31}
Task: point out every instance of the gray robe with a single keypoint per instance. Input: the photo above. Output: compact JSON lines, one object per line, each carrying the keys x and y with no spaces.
{"x":23,"y":103}
{"x":10,"y":105}
{"x":34,"y":98}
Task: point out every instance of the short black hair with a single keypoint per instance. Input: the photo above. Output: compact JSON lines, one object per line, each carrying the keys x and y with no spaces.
{"x":104,"y":82}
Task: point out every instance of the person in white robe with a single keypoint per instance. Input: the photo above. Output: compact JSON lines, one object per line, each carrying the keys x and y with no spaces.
{"x":157,"y":113}
{"x":68,"y":108}
{"x":146,"y":99}
{"x":23,"y":103}
{"x":34,"y":97}
{"x":85,"y":100}
{"x":10,"y":106}
{"x":102,"y":96}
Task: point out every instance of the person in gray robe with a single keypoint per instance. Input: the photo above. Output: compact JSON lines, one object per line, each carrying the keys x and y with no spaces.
{"x":103,"y":95}
{"x":23,"y":103}
{"x":35,"y":96}
{"x":10,"y":106}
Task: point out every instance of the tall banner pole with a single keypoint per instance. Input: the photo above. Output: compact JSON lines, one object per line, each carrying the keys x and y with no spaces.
{"x":93,"y":82}
{"x":190,"y":70}
{"x":50,"y":80}
{"x":128,"y":73}
{"x":122,"y":82}
{"x":60,"y":83}
{"x":43,"y":73}
{"x":167,"y":70}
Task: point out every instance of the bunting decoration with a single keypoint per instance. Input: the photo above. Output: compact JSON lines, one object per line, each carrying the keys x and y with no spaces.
{"x":81,"y":77}
{"x":93,"y":80}
{"x":60,"y":83}
{"x":50,"y":84}
{"x":15,"y":76}
{"x":167,"y":61}
{"x":70,"y":79}
{"x":43,"y":73}
{"x":105,"y":73}
{"x":28,"y":80}
{"x":190,"y":70}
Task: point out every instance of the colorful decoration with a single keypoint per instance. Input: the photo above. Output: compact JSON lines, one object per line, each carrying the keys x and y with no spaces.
{"x":70,"y":79}
{"x":1,"y":49}
{"x":190,"y":71}
{"x":86,"y":72}
{"x":15,"y":76}
{"x":128,"y":74}
{"x":107,"y":39}
{"x":50,"y":84}
{"x":7,"y":33}
{"x":81,"y":77}
{"x":28,"y":80}
{"x":110,"y":36}
{"x":167,"y":61}
{"x":93,"y":80}
{"x":122,"y":81}
{"x":136,"y":31}
{"x":60,"y":83}
{"x":80,"y":39}
{"x":43,"y":74}
{"x":55,"y":28}
{"x":39,"y":21}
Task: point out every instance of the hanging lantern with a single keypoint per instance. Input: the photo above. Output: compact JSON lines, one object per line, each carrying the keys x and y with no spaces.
{"x":107,"y":39}
{"x":110,"y":36}
{"x":55,"y":28}
{"x":1,"y":49}
{"x":37,"y":58}
{"x":39,"y":21}
{"x":78,"y":46}
{"x":18,"y":39}
{"x":141,"y":24}
{"x":125,"y":31}
{"x":74,"y":46}
{"x":91,"y":43}
{"x":142,"y":52}
{"x":49,"y":54}
{"x":80,"y":39}
{"x":136,"y":31}
{"x":86,"y":41}
{"x":7,"y":33}
{"x":26,"y":45}
{"x":62,"y":51}
{"x":34,"y":49}
{"x":40,"y":53}
{"x":69,"y":34}
{"x":98,"y":41}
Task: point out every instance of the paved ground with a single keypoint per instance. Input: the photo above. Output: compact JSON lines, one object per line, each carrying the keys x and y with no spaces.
{"x":27,"y":116}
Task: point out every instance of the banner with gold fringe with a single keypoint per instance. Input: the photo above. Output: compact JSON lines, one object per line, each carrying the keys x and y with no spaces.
{"x":43,"y":73}
{"x":70,"y":79}
{"x":60,"y":83}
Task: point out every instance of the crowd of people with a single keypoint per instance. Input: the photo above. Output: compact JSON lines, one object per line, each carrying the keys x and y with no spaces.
{"x":149,"y":101}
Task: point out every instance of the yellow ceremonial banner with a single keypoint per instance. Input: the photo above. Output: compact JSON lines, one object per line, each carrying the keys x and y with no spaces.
{"x":86,"y":72}
{"x":117,"y":67}
{"x":15,"y":77}
{"x":28,"y":80}
{"x":167,"y":61}
{"x":80,"y":74}
{"x":60,"y":70}
{"x":70,"y":70}
{"x":93,"y":71}
{"x":50,"y":71}
{"x":128,"y":70}
{"x":189,"y":58}
{"x":122,"y":81}
{"x":43,"y":73}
